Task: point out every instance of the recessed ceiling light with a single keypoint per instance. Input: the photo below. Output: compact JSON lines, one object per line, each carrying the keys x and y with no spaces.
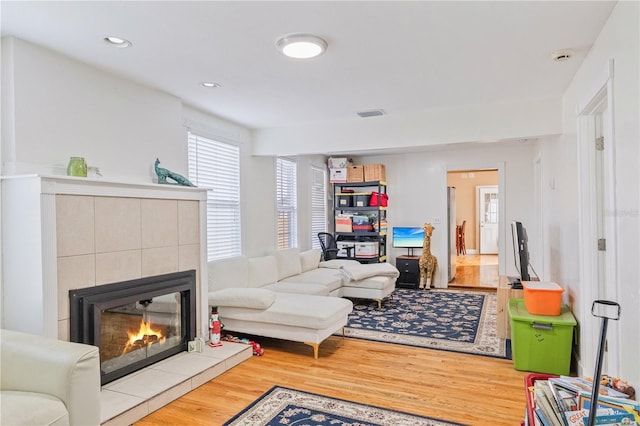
{"x":562,"y":55}
{"x":210,"y":84}
{"x":118,"y":42}
{"x":301,"y":46}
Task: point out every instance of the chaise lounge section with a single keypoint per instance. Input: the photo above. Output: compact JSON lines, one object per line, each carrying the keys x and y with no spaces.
{"x":291,"y":295}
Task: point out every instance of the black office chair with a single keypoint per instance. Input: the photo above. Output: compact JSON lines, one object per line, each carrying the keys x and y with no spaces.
{"x":330,"y":247}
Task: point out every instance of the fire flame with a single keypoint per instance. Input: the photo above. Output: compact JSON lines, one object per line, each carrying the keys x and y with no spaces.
{"x":143,"y":337}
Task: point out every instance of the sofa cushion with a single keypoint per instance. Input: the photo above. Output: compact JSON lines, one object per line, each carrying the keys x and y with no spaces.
{"x":32,"y":408}
{"x":262,"y":270}
{"x":310,"y":259}
{"x":337,"y":263}
{"x":299,"y":288}
{"x":288,"y":262}
{"x":252,"y":298}
{"x":330,"y":278}
{"x":377,"y":283}
{"x":231,"y":272}
{"x":360,"y":272}
{"x":297,"y":310}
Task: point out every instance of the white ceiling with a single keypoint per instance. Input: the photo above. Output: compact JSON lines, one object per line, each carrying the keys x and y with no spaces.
{"x":395,"y":55}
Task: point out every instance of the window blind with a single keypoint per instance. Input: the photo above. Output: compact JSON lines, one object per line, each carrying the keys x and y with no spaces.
{"x":286,"y":188}
{"x":318,"y":204}
{"x":216,"y":166}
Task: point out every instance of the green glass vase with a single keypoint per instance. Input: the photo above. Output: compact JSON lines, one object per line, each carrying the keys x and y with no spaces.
{"x":77,"y":167}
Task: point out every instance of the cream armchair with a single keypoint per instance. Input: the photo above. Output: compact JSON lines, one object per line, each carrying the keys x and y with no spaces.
{"x":48,"y":382}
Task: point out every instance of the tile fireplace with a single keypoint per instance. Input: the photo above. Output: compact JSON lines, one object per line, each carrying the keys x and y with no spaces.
{"x":80,"y":233}
{"x":135,"y":323}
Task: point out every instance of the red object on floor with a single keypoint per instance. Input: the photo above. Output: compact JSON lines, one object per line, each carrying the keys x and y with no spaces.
{"x":528,"y":385}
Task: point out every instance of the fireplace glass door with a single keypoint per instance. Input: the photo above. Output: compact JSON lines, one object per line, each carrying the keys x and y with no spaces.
{"x":133,"y":332}
{"x":135,"y":323}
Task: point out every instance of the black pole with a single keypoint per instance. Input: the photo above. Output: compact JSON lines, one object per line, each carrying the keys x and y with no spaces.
{"x":603,"y":333}
{"x":596,"y":378}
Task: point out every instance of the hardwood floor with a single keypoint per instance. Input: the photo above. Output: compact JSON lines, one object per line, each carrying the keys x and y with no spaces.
{"x":468,"y":389}
{"x":476,"y":271}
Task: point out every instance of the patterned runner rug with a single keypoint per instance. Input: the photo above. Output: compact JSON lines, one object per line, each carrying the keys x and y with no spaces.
{"x":283,"y":406}
{"x":450,"y":320}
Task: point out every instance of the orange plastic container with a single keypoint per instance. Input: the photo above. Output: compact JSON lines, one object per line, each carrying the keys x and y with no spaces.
{"x":542,"y":297}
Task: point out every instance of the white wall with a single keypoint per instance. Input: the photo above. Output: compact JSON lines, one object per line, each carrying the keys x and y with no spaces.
{"x":416,"y":184}
{"x":63,"y":108}
{"x":619,"y":40}
{"x":516,"y":120}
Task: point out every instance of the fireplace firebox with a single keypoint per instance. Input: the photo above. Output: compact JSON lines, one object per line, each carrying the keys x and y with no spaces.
{"x":135,"y":323}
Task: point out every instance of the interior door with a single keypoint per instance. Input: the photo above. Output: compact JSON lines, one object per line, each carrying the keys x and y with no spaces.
{"x":487,"y":197}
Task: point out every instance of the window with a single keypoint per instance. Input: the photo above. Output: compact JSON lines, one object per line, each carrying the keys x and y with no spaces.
{"x":318,"y":204}
{"x":216,"y":166}
{"x":287,"y":203}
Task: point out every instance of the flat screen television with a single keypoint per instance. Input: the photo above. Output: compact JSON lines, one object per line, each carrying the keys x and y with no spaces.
{"x":521,"y":250}
{"x":408,"y":237}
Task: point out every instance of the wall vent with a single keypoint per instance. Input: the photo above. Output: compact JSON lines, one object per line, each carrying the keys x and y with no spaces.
{"x":371,"y":113}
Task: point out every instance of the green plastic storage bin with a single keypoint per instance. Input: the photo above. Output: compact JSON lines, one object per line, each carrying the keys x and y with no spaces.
{"x":541,"y":343}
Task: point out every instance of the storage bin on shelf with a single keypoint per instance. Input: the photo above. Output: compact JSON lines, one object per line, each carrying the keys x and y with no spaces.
{"x":342,"y":248}
{"x":344,"y":223}
{"x":361,"y":199}
{"x":366,"y":249}
{"x":338,"y":162}
{"x":541,"y":343}
{"x":345,"y":198}
{"x":374,"y":173}
{"x":338,"y":175}
{"x":355,"y":174}
{"x":542,"y":297}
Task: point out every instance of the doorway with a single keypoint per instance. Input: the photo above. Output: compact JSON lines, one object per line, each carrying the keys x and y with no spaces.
{"x":478,"y":206}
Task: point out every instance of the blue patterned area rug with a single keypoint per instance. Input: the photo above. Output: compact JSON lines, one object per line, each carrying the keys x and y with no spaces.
{"x":450,"y":320}
{"x":283,"y":406}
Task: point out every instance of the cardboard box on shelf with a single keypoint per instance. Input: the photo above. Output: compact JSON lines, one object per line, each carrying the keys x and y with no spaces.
{"x":342,"y":248}
{"x":374,"y":173}
{"x":355,"y":174}
{"x":366,"y":249}
{"x":338,"y":162}
{"x":338,"y":175}
{"x":343,"y":224}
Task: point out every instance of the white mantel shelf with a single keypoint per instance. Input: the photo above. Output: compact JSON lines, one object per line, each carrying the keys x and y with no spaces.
{"x":54,"y":184}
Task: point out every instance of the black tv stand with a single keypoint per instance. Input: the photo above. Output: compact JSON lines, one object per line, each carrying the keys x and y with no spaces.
{"x":410,"y":251}
{"x":515,"y":283}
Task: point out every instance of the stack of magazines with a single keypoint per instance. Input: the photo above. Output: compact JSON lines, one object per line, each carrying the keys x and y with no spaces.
{"x":566,"y":401}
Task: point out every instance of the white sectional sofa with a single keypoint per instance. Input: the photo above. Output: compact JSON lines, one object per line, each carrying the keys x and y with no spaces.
{"x":292,"y":295}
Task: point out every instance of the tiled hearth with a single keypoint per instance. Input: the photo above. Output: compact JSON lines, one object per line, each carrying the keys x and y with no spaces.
{"x":133,"y":397}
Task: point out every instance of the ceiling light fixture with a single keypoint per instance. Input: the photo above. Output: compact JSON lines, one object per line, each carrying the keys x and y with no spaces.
{"x":210,"y":84}
{"x":301,"y":46}
{"x":562,"y":55}
{"x":118,"y":42}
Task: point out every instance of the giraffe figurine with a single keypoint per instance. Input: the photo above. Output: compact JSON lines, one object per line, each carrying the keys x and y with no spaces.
{"x":427,"y":262}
